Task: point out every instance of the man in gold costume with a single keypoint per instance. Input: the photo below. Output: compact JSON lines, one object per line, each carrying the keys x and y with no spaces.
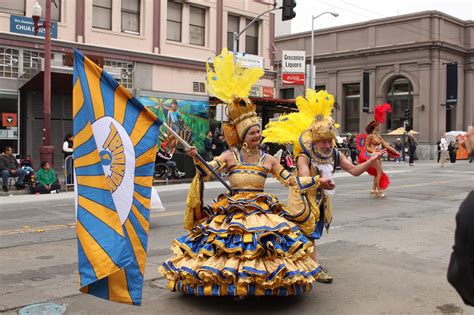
{"x":312,"y":132}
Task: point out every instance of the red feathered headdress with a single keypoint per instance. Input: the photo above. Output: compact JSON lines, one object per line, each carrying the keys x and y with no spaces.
{"x":380,"y":112}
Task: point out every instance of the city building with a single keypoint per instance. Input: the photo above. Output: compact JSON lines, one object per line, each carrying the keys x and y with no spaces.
{"x":406,"y":58}
{"x":155,"y":48}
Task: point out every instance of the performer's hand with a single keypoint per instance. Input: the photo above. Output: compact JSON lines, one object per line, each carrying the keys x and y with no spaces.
{"x":326,"y":183}
{"x":192,"y":152}
{"x":378,"y":154}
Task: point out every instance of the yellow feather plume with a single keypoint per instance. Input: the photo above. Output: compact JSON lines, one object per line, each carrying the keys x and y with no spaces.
{"x":227,"y":81}
{"x":288,"y":128}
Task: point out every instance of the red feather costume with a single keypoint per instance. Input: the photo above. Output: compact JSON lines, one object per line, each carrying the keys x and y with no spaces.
{"x":367,"y":144}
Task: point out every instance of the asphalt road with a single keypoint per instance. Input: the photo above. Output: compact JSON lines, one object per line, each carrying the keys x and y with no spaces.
{"x":387,"y":256}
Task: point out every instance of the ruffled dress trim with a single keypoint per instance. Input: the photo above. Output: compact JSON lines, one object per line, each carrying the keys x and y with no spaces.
{"x":245,"y":248}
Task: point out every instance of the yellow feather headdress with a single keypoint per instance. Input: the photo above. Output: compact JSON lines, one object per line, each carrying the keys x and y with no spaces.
{"x":313,"y":121}
{"x":231,"y":83}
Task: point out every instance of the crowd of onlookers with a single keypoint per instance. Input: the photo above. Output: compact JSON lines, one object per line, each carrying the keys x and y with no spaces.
{"x":20,"y":172}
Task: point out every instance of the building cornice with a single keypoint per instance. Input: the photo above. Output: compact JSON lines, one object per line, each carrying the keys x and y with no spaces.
{"x":383,"y":21}
{"x":366,"y":52}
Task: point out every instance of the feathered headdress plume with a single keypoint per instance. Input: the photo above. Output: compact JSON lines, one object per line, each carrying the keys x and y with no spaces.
{"x":314,"y":115}
{"x":380,"y":112}
{"x":227,"y":80}
{"x":231,"y":83}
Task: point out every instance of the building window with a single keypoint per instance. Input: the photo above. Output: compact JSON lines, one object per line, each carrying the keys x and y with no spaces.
{"x":32,"y":60}
{"x":400,"y":96}
{"x":102,"y":14}
{"x":233,"y":23}
{"x":55,"y":11}
{"x":287,"y":94}
{"x":126,"y":72}
{"x":197,"y":26}
{"x":131,"y":16}
{"x":351,"y":107}
{"x":318,"y":88}
{"x":251,"y":38}
{"x":15,"y":7}
{"x":8,"y":63}
{"x":175,"y":13}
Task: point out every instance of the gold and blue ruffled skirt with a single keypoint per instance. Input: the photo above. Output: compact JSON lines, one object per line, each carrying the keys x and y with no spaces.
{"x":245,"y":247}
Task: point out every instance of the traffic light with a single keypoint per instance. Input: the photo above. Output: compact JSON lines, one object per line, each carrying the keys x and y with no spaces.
{"x":407,"y":114}
{"x":288,"y":10}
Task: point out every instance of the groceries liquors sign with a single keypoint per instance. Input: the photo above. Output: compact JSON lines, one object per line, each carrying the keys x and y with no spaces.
{"x":292,"y":66}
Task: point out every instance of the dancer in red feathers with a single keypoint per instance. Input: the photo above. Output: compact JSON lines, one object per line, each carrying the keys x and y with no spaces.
{"x":369,"y":143}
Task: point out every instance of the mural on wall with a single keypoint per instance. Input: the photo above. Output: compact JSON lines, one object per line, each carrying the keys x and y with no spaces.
{"x":190,"y":119}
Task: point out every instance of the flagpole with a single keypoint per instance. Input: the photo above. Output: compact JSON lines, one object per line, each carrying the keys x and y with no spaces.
{"x":187,"y":146}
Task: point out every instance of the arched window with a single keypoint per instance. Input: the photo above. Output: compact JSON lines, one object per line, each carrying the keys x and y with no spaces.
{"x":400,"y":96}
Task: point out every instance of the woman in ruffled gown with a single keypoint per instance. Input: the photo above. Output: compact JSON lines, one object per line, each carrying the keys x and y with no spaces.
{"x":241,"y":244}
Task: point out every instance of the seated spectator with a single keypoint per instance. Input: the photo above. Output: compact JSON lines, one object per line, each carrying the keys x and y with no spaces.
{"x":27,"y":165}
{"x":47,"y":179}
{"x":9,"y":167}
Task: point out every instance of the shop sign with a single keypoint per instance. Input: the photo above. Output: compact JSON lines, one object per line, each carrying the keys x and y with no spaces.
{"x":292,"y":78}
{"x":268,"y":91}
{"x":256,"y":91}
{"x":25,"y":25}
{"x":293,"y":61}
{"x":9,"y":119}
{"x":293,"y":67}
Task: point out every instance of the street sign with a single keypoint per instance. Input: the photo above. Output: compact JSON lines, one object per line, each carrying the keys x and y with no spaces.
{"x":249,"y":61}
{"x":292,"y":78}
{"x":25,"y":25}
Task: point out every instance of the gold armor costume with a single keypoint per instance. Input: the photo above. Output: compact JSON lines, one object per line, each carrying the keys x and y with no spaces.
{"x":311,"y":208}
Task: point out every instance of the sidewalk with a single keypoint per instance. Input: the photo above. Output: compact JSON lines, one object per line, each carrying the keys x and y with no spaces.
{"x":14,"y":195}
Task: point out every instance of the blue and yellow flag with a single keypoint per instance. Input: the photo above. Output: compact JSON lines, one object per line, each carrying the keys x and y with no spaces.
{"x":115,"y":143}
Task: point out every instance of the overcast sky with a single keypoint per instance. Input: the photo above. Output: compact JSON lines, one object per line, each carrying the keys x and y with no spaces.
{"x":352,"y":11}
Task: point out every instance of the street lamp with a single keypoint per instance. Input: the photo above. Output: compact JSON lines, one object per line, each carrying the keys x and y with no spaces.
{"x":46,"y":150}
{"x":311,"y":78}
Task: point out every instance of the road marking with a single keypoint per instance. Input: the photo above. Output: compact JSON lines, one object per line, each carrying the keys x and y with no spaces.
{"x":40,"y":229}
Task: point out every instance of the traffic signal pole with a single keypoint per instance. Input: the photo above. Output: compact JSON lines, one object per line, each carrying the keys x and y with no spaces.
{"x":237,"y":35}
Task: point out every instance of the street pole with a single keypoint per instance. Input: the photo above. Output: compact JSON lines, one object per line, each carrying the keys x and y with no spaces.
{"x":237,"y":35}
{"x":312,"y":78}
{"x":47,"y":150}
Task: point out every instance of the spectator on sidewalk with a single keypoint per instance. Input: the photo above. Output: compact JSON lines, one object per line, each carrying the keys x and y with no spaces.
{"x":47,"y":179}
{"x":67,"y":151}
{"x":208,"y":147}
{"x":452,"y":150}
{"x":412,"y":144}
{"x":438,"y":149}
{"x":219,"y":145}
{"x":443,"y":147}
{"x":399,"y":147}
{"x":9,"y":167}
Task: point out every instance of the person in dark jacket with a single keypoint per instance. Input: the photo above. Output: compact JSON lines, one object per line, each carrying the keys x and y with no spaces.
{"x":9,"y":167}
{"x":452,"y":150}
{"x":208,"y":147}
{"x":461,"y":265}
{"x":219,"y":145}
{"x":412,"y":144}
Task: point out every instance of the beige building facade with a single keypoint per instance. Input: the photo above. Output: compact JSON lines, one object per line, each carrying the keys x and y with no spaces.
{"x":406,"y":58}
{"x":156,"y":48}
